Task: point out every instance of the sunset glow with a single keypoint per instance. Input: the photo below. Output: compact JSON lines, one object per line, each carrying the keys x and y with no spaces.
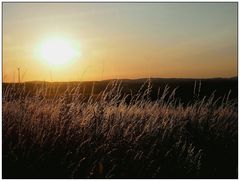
{"x":57,"y":52}
{"x":119,"y":40}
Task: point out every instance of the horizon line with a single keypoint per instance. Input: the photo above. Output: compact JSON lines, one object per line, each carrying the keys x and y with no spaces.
{"x":231,"y":77}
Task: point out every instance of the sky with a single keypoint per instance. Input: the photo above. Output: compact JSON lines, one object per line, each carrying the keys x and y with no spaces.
{"x":119,"y":40}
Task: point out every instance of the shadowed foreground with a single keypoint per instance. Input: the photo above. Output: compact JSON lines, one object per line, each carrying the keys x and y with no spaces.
{"x":71,"y":137}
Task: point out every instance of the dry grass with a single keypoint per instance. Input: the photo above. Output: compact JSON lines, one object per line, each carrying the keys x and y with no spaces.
{"x":105,"y":137}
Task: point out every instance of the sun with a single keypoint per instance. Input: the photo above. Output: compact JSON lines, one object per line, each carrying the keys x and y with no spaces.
{"x":57,"y":51}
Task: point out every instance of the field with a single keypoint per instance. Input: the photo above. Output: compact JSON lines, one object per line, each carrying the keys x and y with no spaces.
{"x":156,"y":128}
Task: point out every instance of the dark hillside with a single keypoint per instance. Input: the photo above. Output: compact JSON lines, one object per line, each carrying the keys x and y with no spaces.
{"x":221,"y":87}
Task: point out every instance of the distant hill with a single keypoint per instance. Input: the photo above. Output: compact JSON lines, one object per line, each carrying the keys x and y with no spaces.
{"x":139,"y":80}
{"x":185,"y":86}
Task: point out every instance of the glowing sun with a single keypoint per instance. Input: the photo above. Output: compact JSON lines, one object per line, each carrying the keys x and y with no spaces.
{"x":57,"y":51}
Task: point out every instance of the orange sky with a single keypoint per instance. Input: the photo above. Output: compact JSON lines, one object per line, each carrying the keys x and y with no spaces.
{"x":121,"y":40}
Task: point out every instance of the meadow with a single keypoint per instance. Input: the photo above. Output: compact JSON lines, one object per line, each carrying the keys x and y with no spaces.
{"x":115,"y":129}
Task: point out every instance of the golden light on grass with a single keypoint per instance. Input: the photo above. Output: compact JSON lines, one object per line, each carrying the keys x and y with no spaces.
{"x":57,"y":51}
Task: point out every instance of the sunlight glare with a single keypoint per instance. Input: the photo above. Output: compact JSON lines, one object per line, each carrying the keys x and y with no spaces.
{"x":57,"y":51}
